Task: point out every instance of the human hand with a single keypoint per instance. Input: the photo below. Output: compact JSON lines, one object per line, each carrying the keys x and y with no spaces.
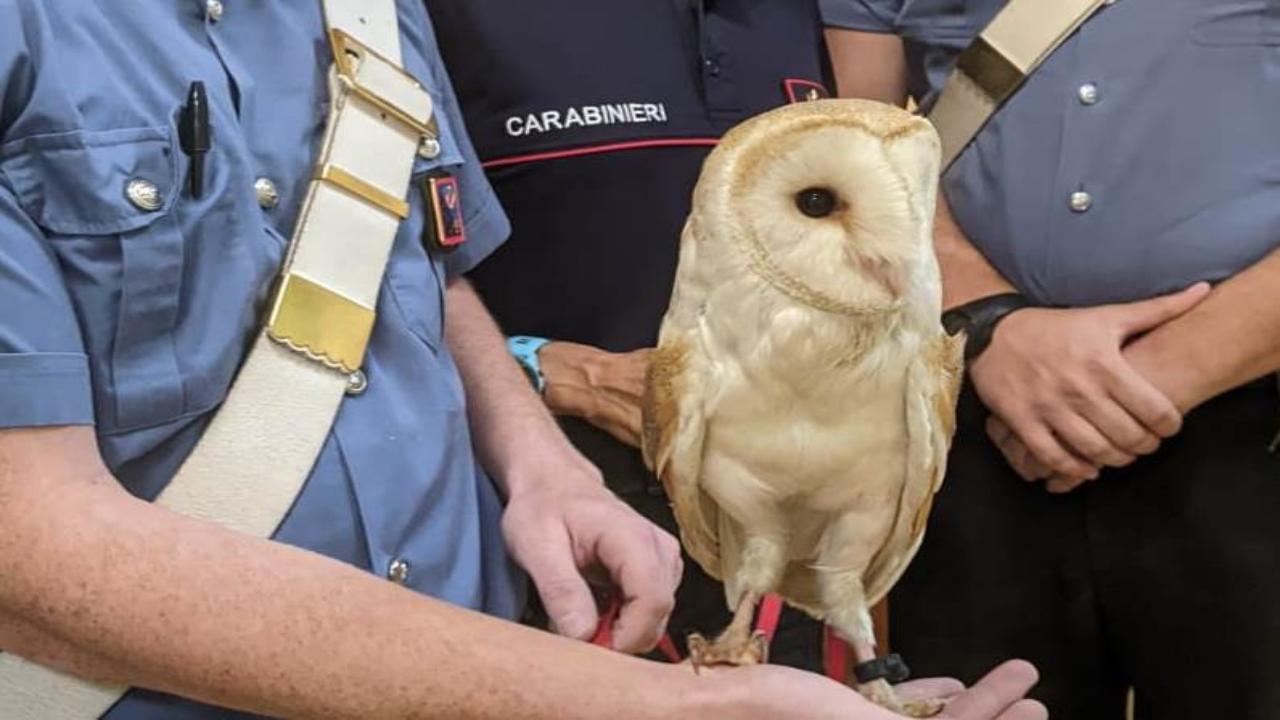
{"x":778,"y":693}
{"x":1059,"y":381}
{"x":1025,"y":463}
{"x":565,"y":524}
{"x":603,"y":388}
{"x":998,"y":696}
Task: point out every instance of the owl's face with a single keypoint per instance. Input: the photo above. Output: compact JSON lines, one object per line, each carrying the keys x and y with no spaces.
{"x":834,"y":197}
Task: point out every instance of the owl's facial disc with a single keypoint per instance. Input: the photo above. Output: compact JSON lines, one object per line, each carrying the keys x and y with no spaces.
{"x":832,"y":209}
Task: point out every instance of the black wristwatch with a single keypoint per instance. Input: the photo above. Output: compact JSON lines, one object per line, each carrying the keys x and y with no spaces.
{"x":978,"y":320}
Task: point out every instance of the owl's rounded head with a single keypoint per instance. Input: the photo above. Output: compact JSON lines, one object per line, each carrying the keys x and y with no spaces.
{"x":832,"y":202}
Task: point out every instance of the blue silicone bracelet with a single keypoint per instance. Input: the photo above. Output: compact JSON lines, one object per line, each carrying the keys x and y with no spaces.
{"x":525,"y":350}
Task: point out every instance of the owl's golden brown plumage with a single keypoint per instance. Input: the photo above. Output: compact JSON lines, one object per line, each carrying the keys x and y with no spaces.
{"x":801,"y":401}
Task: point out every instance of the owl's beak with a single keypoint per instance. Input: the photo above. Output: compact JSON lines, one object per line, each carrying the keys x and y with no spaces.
{"x":888,"y":275}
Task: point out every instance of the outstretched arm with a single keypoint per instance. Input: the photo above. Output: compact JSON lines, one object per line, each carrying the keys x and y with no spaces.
{"x":561,"y":521}
{"x":100,"y":584}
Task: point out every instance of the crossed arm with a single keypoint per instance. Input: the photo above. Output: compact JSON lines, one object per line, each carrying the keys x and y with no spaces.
{"x":1072,"y":391}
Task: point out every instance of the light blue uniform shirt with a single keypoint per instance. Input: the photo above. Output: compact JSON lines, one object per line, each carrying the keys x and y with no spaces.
{"x":136,"y":321}
{"x":1160,"y":117}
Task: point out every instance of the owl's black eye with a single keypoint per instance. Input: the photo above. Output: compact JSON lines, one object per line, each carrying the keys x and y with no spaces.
{"x":816,"y":202}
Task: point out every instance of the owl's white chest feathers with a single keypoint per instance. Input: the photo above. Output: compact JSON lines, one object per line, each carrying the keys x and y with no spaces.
{"x":811,"y":412}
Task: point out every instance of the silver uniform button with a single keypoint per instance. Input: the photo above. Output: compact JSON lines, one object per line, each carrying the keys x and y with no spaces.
{"x":357,"y":383}
{"x":213,"y":9}
{"x":1081,"y":201}
{"x":144,"y":194}
{"x":429,"y":148}
{"x":1088,"y":94}
{"x":268,"y":194}
{"x":398,"y":571}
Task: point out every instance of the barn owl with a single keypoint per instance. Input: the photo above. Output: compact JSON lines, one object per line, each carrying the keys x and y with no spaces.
{"x":800,"y":404}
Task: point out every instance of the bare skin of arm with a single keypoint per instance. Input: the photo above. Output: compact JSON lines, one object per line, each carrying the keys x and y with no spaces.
{"x":107,"y":587}
{"x":601,"y":387}
{"x":1228,"y":340}
{"x":186,"y":607}
{"x":561,"y":521}
{"x":868,"y":65}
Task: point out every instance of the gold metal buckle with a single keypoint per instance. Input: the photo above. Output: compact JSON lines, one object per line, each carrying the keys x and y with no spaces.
{"x":364,"y":190}
{"x":998,"y":77}
{"x":311,"y":319}
{"x":347,"y":53}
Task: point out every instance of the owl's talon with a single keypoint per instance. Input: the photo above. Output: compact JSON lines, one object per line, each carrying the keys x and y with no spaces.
{"x":926,"y":708}
{"x":698,"y":651}
{"x":735,"y":649}
{"x":882,"y":694}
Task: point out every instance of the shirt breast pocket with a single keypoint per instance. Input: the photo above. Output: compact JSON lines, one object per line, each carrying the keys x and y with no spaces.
{"x":105,"y":201}
{"x":1239,"y":23}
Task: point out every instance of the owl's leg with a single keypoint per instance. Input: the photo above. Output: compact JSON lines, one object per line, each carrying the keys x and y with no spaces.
{"x":752,"y":570}
{"x":737,"y":645}
{"x":843,"y":559}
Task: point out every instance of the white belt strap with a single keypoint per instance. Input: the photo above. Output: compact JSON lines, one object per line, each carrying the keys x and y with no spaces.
{"x":990,"y":71}
{"x":259,"y":449}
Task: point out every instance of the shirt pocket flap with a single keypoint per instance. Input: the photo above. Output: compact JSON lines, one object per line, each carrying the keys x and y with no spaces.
{"x":78,"y":183}
{"x":1250,"y":23}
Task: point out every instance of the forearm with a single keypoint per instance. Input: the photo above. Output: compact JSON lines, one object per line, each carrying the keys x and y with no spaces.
{"x":1229,"y":339}
{"x":511,"y":427}
{"x":966,"y":274}
{"x":70,"y":658}
{"x":102,"y":584}
{"x":854,"y":56}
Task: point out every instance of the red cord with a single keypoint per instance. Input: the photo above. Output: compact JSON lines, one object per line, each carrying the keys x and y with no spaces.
{"x":835,"y":655}
{"x":835,"y":650}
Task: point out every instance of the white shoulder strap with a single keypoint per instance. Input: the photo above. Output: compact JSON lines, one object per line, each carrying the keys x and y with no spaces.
{"x":259,"y":449}
{"x":996,"y":65}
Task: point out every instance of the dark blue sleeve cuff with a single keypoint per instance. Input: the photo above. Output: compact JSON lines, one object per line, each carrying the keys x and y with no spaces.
{"x":44,"y":389}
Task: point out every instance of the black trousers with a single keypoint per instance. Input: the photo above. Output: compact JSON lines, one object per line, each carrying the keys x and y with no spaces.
{"x":1163,"y":577}
{"x":700,"y":602}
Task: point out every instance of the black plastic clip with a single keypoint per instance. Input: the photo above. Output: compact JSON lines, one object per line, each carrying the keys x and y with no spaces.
{"x":890,"y":667}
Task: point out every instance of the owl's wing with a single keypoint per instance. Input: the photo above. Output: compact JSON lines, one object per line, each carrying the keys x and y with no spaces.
{"x":933,"y":386}
{"x":677,"y":403}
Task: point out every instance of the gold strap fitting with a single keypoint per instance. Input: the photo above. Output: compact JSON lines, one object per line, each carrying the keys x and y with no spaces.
{"x":322,"y":324}
{"x":348,"y":53}
{"x":364,"y":190}
{"x":990,"y":70}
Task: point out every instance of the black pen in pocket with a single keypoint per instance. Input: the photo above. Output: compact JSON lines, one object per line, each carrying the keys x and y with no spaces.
{"x":194,"y":135}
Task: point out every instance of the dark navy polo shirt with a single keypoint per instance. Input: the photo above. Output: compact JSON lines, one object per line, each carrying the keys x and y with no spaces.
{"x":593,"y":119}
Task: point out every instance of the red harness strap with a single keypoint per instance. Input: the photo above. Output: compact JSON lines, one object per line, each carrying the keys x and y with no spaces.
{"x":835,"y":655}
{"x":835,"y":650}
{"x":767,"y":618}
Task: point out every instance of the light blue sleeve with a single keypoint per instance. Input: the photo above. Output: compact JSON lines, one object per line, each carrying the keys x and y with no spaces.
{"x":44,"y":373}
{"x":867,"y":15}
{"x":486,"y":224}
